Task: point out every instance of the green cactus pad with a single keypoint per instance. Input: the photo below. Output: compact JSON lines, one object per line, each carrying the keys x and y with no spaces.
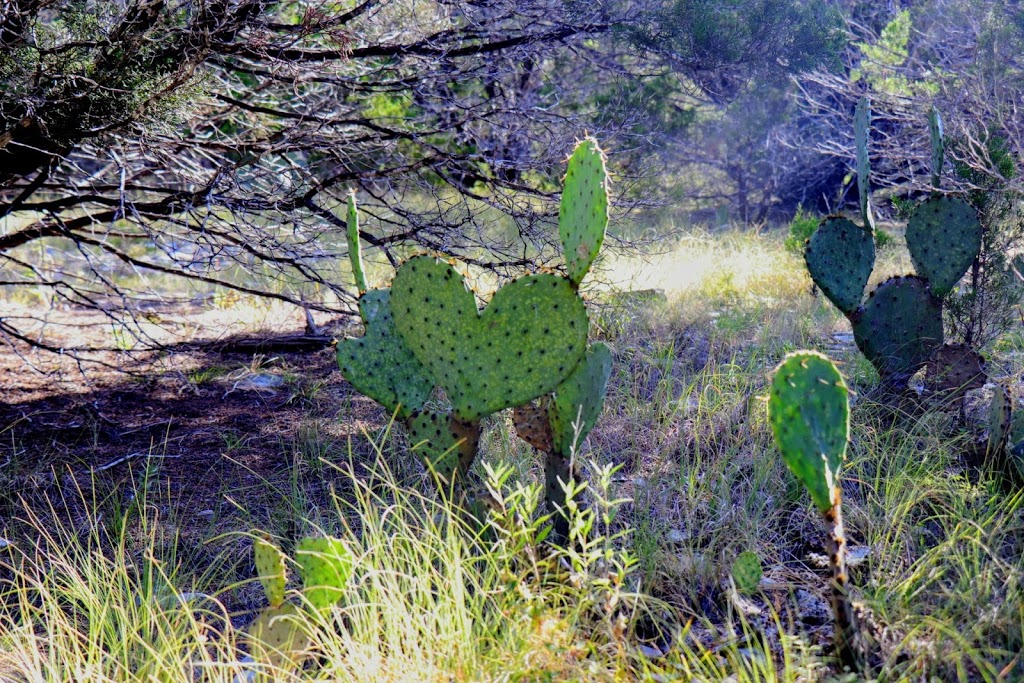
{"x":355,"y":254}
{"x":809,"y":412}
{"x":533,"y":426}
{"x":861,"y":134}
{"x":326,"y":565}
{"x":840,"y":256}
{"x":583,"y":216}
{"x":271,"y":568}
{"x":580,"y":398}
{"x":447,"y":445}
{"x":1000,"y":417}
{"x":747,"y":572}
{"x":277,"y":637}
{"x":944,"y":238}
{"x":379,"y":364}
{"x":899,"y":327}
{"x":528,"y":339}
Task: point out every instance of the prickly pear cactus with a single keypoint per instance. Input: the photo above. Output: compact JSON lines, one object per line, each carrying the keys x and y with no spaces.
{"x":583,"y":216}
{"x":944,"y":238}
{"x":747,"y":572}
{"x":271,"y":568}
{"x":809,"y":413}
{"x":326,"y":565}
{"x":899,"y":327}
{"x":1015,"y":444}
{"x":447,"y":445}
{"x":380,"y":364}
{"x":355,"y":254}
{"x":839,"y":257}
{"x":528,"y":339}
{"x":861,"y":134}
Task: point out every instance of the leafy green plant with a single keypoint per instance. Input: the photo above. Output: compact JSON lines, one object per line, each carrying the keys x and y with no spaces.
{"x":808,"y":408}
{"x":801,"y":228}
{"x":426,"y":331}
{"x":900,"y":325}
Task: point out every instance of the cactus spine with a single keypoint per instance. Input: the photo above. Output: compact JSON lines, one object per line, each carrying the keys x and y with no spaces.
{"x":808,"y":408}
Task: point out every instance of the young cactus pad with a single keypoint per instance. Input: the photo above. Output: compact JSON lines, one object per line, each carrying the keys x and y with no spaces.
{"x":326,"y":566}
{"x":578,"y":400}
{"x":355,"y":254}
{"x":944,"y":238}
{"x":278,"y":637}
{"x":1000,"y":417}
{"x":380,"y":364}
{"x":583,"y":216}
{"x":861,"y":130}
{"x":938,"y":145}
{"x":271,"y":568}
{"x":899,"y":326}
{"x":528,"y":339}
{"x":839,"y":257}
{"x":809,"y":412}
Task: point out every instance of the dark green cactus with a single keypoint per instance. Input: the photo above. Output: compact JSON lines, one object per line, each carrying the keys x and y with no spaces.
{"x":583,"y":216}
{"x":528,"y":339}
{"x":380,"y":364}
{"x":938,"y":145}
{"x":808,"y":408}
{"x":944,"y":238}
{"x":839,"y":256}
{"x":861,"y":134}
{"x":899,"y":326}
{"x":355,"y":254}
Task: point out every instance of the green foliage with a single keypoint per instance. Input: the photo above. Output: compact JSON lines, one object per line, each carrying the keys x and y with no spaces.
{"x":881,"y":62}
{"x":801,"y":228}
{"x":809,"y":412}
{"x":583,"y":215}
{"x":899,"y":326}
{"x":839,"y":257}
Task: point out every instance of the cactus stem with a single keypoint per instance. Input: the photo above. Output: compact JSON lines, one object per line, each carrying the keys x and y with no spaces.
{"x":846,"y":645}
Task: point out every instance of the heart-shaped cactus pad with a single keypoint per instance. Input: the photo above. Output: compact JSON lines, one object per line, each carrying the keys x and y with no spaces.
{"x":528,"y":339}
